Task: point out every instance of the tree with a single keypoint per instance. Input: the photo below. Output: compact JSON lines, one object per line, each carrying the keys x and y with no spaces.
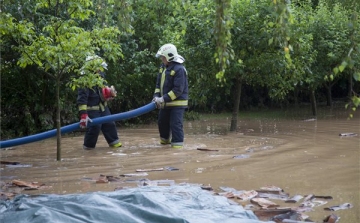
{"x":260,"y":42}
{"x":331,"y":42}
{"x":52,"y":39}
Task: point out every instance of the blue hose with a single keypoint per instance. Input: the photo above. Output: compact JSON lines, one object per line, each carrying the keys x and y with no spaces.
{"x":69,"y":128}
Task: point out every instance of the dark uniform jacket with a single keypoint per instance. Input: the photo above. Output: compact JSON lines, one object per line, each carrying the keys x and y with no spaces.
{"x":172,"y":85}
{"x":90,"y":98}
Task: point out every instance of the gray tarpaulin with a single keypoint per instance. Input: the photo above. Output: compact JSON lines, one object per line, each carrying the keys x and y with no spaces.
{"x":148,"y":204}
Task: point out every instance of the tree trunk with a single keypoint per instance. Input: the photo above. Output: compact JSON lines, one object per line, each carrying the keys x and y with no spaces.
{"x":350,"y":86}
{"x":328,"y":96}
{"x":313,"y":102}
{"x":58,"y":123}
{"x":235,"y":112}
{"x":296,"y":95}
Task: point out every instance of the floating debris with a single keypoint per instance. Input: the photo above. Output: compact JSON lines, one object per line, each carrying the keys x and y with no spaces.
{"x":291,"y":215}
{"x":102,"y":179}
{"x":199,"y":170}
{"x":134,"y":174}
{"x":302,"y":209}
{"x":18,"y":165}
{"x":331,"y":219}
{"x":268,"y":213}
{"x":241,"y":156}
{"x":230,"y":192}
{"x":147,"y":182}
{"x":7,"y":195}
{"x":283,"y":196}
{"x":309,"y":120}
{"x":203,"y":149}
{"x":249,"y":206}
{"x":339,"y":207}
{"x":247,"y":195}
{"x":349,"y":134}
{"x":29,"y":186}
{"x":264,"y":203}
{"x":113,"y":179}
{"x":266,"y":147}
{"x":119,"y":154}
{"x":294,"y":199}
{"x":323,"y":197}
{"x":135,"y":180}
{"x":250,"y":150}
{"x":269,"y":210}
{"x":149,"y":170}
{"x":169,"y":168}
{"x":208,"y":187}
{"x":270,"y":189}
{"x":9,"y":162}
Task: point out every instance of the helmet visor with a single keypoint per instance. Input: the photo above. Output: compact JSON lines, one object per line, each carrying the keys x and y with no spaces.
{"x":159,"y":53}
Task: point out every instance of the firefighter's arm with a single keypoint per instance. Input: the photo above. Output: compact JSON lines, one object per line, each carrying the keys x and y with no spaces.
{"x":82,"y":105}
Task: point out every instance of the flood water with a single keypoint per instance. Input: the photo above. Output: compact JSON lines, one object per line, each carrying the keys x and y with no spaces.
{"x":300,"y":156}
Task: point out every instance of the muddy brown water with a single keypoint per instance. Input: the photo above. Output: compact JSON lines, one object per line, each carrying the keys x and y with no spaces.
{"x":300,"y":156}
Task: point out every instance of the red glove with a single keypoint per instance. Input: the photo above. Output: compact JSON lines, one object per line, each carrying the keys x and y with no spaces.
{"x":109,"y":93}
{"x":84,"y":119}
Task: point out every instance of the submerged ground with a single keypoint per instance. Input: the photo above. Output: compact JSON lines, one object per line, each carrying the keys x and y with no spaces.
{"x":299,"y":154}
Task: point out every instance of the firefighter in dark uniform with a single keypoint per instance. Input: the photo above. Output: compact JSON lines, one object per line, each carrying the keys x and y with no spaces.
{"x":92,"y":103}
{"x":171,"y":96}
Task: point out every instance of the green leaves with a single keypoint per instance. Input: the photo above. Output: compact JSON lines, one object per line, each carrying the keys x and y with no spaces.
{"x":89,"y":80}
{"x":343,"y":66}
{"x":356,"y":76}
{"x":222,"y":35}
{"x":61,"y":46}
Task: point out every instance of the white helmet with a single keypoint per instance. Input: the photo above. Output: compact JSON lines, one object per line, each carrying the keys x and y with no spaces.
{"x":96,"y":57}
{"x":169,"y":51}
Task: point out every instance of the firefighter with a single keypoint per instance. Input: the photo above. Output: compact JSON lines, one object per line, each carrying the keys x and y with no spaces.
{"x":171,"y":96}
{"x":92,"y":103}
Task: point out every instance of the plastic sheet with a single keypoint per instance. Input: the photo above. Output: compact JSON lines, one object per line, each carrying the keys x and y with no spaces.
{"x":148,"y":204}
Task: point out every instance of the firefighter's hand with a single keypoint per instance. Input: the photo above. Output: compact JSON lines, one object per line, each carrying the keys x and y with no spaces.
{"x":113,"y":91}
{"x":109,"y":93}
{"x":84,"y":119}
{"x":159,"y":101}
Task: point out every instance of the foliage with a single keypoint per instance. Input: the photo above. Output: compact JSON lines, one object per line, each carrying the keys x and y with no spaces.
{"x":279,"y":51}
{"x":191,"y":116}
{"x":53,"y":41}
{"x":222,"y":35}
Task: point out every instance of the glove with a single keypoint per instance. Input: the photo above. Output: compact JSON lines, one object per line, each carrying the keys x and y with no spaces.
{"x":109,"y":93}
{"x":159,"y":101}
{"x":84,"y":119}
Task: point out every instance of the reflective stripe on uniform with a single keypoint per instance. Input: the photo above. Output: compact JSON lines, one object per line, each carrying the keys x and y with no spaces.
{"x":162,"y":82}
{"x":102,"y":106}
{"x":82,"y":107}
{"x":157,"y":90}
{"x":177,"y":103}
{"x":172,"y":95}
{"x":93,"y":108}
